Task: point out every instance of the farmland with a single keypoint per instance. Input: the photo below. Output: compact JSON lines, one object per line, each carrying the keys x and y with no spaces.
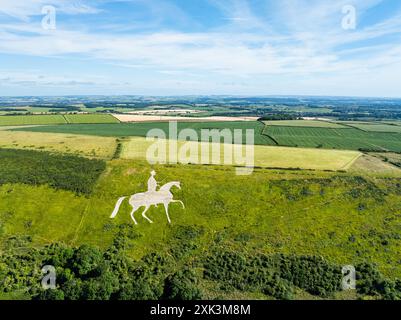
{"x":194,"y":117}
{"x":19,"y":120}
{"x":90,"y":118}
{"x":89,"y":146}
{"x":375,"y":127}
{"x":304,"y":123}
{"x":264,"y":156}
{"x":325,"y":136}
{"x":34,"y":120}
{"x":349,"y":139}
{"x":362,"y":109}
{"x":142,"y":129}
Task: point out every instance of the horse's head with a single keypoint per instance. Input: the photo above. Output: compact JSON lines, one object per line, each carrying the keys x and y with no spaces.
{"x":168,"y":186}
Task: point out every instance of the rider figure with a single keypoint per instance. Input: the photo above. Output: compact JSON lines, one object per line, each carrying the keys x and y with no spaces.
{"x":152,"y":183}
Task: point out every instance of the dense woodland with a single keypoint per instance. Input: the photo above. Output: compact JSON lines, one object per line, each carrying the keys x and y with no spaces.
{"x":89,"y":273}
{"x":66,"y":172}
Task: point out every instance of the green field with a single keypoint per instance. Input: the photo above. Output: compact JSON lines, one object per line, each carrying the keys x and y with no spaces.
{"x":346,"y":138}
{"x":304,"y":123}
{"x":394,"y":122}
{"x":264,"y":156}
{"x":90,"y":118}
{"x":88,"y":146}
{"x":142,"y":129}
{"x":375,"y":127}
{"x":19,"y":120}
{"x":351,"y":139}
{"x":30,"y":119}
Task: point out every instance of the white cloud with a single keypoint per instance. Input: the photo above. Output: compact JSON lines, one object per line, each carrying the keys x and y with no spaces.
{"x":247,"y":47}
{"x":23,"y":9}
{"x":216,"y":52}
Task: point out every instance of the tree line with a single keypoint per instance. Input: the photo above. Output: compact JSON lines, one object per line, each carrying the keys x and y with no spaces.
{"x":90,"y":273}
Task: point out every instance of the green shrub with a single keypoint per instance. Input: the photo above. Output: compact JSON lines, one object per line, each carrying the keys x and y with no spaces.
{"x":274,"y":274}
{"x":182,"y":286}
{"x":66,"y":172}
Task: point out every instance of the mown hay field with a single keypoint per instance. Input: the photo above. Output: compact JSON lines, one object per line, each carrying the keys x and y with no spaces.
{"x":31,"y":119}
{"x":19,"y":120}
{"x":90,"y":118}
{"x":89,"y":146}
{"x":376,"y":127}
{"x":160,"y":116}
{"x":264,"y":156}
{"x":303,"y":123}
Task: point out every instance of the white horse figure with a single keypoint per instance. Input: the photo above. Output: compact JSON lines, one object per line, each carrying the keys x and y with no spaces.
{"x":148,"y":199}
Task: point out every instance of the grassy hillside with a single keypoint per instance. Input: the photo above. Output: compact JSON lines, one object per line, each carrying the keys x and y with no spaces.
{"x":343,"y":218}
{"x":346,"y":219}
{"x":45,"y":214}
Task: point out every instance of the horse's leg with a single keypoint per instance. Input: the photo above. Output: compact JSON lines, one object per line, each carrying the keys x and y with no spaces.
{"x":134,"y":208}
{"x":143,"y":214}
{"x":168,"y":217}
{"x":179,"y":201}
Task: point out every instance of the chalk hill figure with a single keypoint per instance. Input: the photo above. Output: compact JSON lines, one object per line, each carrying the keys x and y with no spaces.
{"x":152,"y":197}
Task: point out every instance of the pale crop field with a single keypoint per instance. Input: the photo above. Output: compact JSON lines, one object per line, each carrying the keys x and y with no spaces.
{"x":89,"y":146}
{"x":155,"y":118}
{"x":304,"y":123}
{"x":282,"y":157}
{"x":376,"y":127}
{"x":30,"y":119}
{"x":264,"y":156}
{"x":90,"y":118}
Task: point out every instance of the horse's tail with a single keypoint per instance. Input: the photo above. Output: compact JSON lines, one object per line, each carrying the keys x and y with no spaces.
{"x":117,"y":207}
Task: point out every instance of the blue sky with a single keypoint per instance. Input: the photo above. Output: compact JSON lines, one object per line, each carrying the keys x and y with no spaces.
{"x":185,"y":47}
